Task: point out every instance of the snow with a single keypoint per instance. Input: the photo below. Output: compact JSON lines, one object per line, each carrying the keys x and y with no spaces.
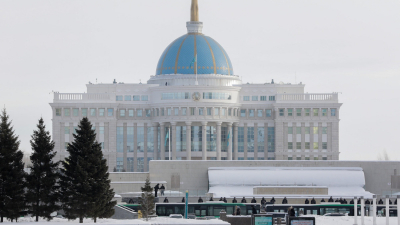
{"x":158,"y":221}
{"x":233,"y":182}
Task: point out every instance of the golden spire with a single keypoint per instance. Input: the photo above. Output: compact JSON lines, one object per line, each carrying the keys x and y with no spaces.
{"x":194,"y":11}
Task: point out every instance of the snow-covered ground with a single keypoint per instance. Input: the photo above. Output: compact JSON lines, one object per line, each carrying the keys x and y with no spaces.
{"x":154,"y":221}
{"x":320,"y":220}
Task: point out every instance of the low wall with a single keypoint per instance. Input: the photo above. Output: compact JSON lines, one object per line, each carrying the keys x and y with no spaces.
{"x":282,"y":190}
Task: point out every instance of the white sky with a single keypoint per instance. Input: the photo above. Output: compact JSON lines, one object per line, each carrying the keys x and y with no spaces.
{"x":345,"y":46}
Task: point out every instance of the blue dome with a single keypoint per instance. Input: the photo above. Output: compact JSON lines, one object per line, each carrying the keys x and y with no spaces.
{"x":177,"y":58}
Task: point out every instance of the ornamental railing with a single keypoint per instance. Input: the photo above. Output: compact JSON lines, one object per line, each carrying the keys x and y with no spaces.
{"x":332,"y":97}
{"x":75,"y":97}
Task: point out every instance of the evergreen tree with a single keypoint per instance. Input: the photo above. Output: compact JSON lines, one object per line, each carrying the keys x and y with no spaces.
{"x":147,"y":200}
{"x":84,"y":182}
{"x":42,"y":194}
{"x":12,"y":199}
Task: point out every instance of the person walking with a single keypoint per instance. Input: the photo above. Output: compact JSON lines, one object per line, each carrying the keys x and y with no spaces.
{"x":284,"y":201}
{"x":313,"y":201}
{"x":200,"y":200}
{"x":183,"y":199}
{"x":263,"y":201}
{"x":156,"y":190}
{"x":225,"y":200}
{"x":272,"y":200}
{"x":166,"y":200}
{"x":244,"y":200}
{"x":253,"y":200}
{"x":291,"y":211}
{"x":330,"y":199}
{"x":162,"y":189}
{"x":234,"y":200}
{"x":211,"y":199}
{"x":253,"y":210}
{"x":237,"y":211}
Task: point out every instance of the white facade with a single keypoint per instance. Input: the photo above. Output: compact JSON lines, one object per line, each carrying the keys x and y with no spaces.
{"x":210,"y":116}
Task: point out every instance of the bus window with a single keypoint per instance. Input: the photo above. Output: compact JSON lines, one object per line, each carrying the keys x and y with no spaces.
{"x":203,"y":212}
{"x":197,"y":212}
{"x":217,"y":210}
{"x":161,"y":210}
{"x":180,"y":210}
{"x":315,"y":212}
{"x":308,"y":212}
{"x":330,"y":210}
{"x":229,"y":210}
{"x":322,"y":211}
{"x":191,"y":209}
{"x":210,"y":210}
{"x":170,"y":211}
{"x":344,"y":210}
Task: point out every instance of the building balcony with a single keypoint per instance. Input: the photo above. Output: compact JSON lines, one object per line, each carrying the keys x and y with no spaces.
{"x":307,"y":98}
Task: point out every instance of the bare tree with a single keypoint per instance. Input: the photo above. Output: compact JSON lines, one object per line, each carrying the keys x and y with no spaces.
{"x":383,"y":156}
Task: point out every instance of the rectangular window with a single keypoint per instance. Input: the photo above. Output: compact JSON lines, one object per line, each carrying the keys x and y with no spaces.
{"x":66,"y":145}
{"x":122,"y":112}
{"x":316,"y":112}
{"x":211,"y":138}
{"x":136,"y":98}
{"x":315,"y":145}
{"x":307,"y":145}
{"x":324,"y":130}
{"x":216,"y":95}
{"x":131,"y":113}
{"x":75,"y":112}
{"x":306,"y":112}
{"x":229,"y":112}
{"x":259,"y":112}
{"x":324,"y":145}
{"x":128,"y":98}
{"x":250,"y":158}
{"x":246,"y":98}
{"x":129,"y":164}
{"x":192,"y":111}
{"x":290,"y":145}
{"x":242,"y":113}
{"x":139,"y":112}
{"x":58,"y":112}
{"x":298,"y":145}
{"x":67,"y":112}
{"x":263,"y":98}
{"x":298,"y":158}
{"x":176,"y":111}
{"x":196,"y":138}
{"x":240,"y":139}
{"x":130,"y":137}
{"x":158,"y":112}
{"x":184,"y":111}
{"x":271,"y":139}
{"x":110,"y":112}
{"x":316,"y":158}
{"x":307,"y":130}
{"x":298,"y":112}
{"x":216,"y":111}
{"x":298,"y":130}
{"x":201,"y":111}
{"x":307,"y":158}
{"x":260,"y":139}
{"x":84,"y":112}
{"x":102,"y":145}
{"x":315,"y":130}
{"x":150,"y":139}
{"x":324,"y":112}
{"x":168,"y":111}
{"x":272,"y":98}
{"x":120,"y":164}
{"x":145,"y":98}
{"x":140,"y":139}
{"x":260,"y":158}
{"x":281,"y":112}
{"x":254,"y":98}
{"x":66,"y":130}
{"x":101,"y":130}
{"x":333,"y":112}
{"x":268,"y":112}
{"x":250,"y":139}
{"x":174,"y":96}
{"x":289,"y":158}
{"x":240,"y":158}
{"x":181,"y":138}
{"x":223,"y":111}
{"x":325,"y":158}
{"x":119,"y":97}
{"x":92,"y":112}
{"x":290,"y":112}
{"x":101,"y":112}
{"x":148,"y":112}
{"x":290,"y":130}
{"x":208,"y":111}
{"x":251,"y":112}
{"x":162,"y":112}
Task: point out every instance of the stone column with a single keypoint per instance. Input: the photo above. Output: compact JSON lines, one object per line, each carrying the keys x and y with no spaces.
{"x":204,"y":140}
{"x":155,"y":134}
{"x":162,"y":139}
{"x":188,"y":140}
{"x":235,"y":133}
{"x":135,"y":149}
{"x":125,"y":147}
{"x":173,"y":141}
{"x":219,"y":140}
{"x":312,"y":140}
{"x":245,"y":141}
{"x":265,"y":141}
{"x":230,"y":141}
{"x":145,"y":148}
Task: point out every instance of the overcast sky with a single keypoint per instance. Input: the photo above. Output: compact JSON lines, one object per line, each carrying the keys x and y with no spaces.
{"x":352,"y":47}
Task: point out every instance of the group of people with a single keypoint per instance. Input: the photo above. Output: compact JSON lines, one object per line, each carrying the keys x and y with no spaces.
{"x":157,"y":187}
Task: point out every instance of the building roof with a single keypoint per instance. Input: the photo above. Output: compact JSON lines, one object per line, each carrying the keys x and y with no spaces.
{"x":177,"y":58}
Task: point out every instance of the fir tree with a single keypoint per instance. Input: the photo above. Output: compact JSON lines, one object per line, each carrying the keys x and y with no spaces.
{"x":42,"y":194}
{"x":147,"y":200}
{"x":84,"y":182}
{"x":12,"y":199}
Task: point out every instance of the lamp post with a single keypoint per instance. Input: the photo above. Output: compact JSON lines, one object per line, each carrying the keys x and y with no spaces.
{"x":186,"y":204}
